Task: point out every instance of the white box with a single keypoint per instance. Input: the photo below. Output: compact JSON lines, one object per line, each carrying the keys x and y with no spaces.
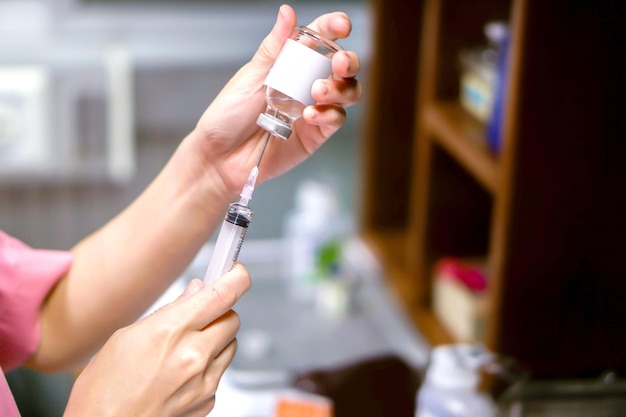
{"x":24,"y":117}
{"x":461,"y":311}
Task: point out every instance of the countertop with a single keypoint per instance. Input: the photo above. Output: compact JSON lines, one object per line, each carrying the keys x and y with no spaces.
{"x":282,"y":335}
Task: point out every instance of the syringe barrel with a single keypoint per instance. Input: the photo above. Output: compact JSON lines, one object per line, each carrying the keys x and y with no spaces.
{"x":229,"y":241}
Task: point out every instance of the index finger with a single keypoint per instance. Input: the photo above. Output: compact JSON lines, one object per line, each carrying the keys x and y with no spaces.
{"x":335,"y":25}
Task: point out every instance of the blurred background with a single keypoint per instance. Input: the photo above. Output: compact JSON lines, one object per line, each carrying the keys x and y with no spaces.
{"x":127,"y":81}
{"x":447,"y":167}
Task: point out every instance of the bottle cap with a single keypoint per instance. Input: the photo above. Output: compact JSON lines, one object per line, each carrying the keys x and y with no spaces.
{"x":496,"y":31}
{"x":455,"y":366}
{"x":273,"y":125}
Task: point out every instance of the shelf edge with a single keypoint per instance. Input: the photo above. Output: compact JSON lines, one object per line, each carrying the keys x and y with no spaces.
{"x":463,"y":138}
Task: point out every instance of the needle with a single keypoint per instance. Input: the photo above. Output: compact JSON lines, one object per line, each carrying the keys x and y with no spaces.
{"x":248,"y":188}
{"x":267,"y":139}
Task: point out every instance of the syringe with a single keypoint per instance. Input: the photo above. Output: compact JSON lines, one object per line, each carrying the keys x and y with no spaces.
{"x":233,"y":230}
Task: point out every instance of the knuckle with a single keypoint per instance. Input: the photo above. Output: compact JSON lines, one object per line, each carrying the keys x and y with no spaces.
{"x":119,"y":333}
{"x":237,"y":320}
{"x":192,"y":360}
{"x":211,"y":382}
{"x":233,"y":319}
{"x":125,"y":335}
{"x":206,"y":406}
{"x":225,"y":294}
{"x":163,"y":330}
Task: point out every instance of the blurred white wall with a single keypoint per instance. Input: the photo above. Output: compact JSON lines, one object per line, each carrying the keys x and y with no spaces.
{"x":181,"y":54}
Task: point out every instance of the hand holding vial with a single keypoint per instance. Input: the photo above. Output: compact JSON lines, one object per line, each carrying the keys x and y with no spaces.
{"x":227,"y":134}
{"x":305,"y":57}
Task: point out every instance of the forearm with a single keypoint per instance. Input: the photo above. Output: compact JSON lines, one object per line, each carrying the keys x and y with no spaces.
{"x":123,"y":267}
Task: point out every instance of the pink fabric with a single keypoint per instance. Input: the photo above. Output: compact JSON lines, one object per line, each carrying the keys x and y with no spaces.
{"x":26,"y":277}
{"x":8,"y":408}
{"x":469,"y":274}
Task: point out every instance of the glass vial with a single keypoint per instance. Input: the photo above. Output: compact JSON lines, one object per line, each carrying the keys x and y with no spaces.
{"x":305,"y":57}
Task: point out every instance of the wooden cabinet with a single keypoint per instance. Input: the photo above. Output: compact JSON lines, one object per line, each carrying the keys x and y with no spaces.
{"x":547,"y":213}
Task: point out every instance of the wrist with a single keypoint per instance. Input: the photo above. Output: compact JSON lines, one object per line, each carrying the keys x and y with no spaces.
{"x":196,"y":180}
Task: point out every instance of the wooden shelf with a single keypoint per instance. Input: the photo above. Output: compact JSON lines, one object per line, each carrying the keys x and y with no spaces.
{"x":546,"y":212}
{"x":463,"y":137}
{"x":390,"y":246}
{"x":431,"y":327}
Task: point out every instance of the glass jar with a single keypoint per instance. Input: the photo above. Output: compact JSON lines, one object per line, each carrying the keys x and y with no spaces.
{"x":305,"y":57}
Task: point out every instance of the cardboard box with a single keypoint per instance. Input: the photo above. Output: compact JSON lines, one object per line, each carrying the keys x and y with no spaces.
{"x":459,"y":300}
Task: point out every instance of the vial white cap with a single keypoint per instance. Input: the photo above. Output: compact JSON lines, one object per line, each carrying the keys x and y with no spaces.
{"x":273,"y":125}
{"x":454,"y":367}
{"x":496,"y":31}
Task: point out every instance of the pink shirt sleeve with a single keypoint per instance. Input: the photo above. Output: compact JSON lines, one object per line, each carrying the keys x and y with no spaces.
{"x":8,"y":408}
{"x":26,"y":277}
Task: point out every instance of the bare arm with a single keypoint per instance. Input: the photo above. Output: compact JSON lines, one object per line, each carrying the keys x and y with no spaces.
{"x":123,"y":267}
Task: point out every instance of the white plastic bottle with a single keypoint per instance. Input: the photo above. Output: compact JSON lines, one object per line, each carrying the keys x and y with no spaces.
{"x":450,"y":388}
{"x":315,"y":231}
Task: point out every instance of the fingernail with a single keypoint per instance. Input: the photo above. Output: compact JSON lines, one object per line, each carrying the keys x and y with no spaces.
{"x":281,"y":10}
{"x":322,"y":87}
{"x":193,"y":287}
{"x":309,"y":113}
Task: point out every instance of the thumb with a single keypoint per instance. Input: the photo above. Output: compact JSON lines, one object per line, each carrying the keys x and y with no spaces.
{"x":273,"y":42}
